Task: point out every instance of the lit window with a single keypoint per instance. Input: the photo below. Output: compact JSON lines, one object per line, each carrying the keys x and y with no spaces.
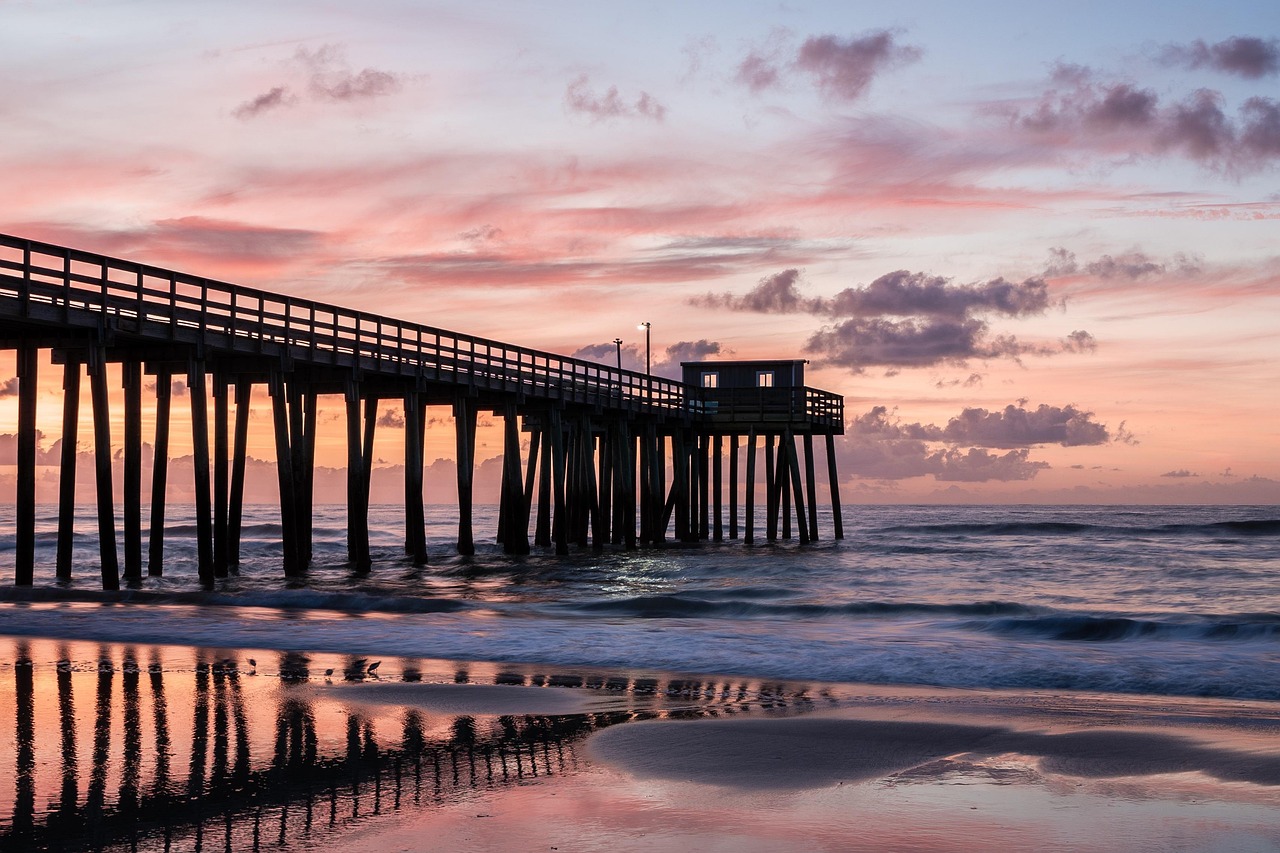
{"x":764,"y":379}
{"x":711,"y":380}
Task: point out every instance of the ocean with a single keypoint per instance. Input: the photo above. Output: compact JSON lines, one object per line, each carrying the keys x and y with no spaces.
{"x":1172,"y":601}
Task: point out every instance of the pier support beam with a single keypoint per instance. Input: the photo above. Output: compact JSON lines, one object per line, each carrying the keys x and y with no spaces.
{"x":293,"y":565}
{"x":67,"y":469}
{"x":717,"y":489}
{"x":515,"y":532}
{"x":235,"y":505}
{"x":811,"y":486}
{"x":25,"y":542}
{"x":771,"y":490}
{"x":357,"y":512}
{"x":750,"y":515}
{"x":793,"y":466}
{"x":159,"y":473}
{"x":530,"y":475}
{"x":198,"y":390}
{"x":542,"y":529}
{"x":131,"y":379}
{"x":414,"y":511}
{"x":221,"y":473}
{"x":733,"y":486}
{"x":464,"y":414}
{"x":109,"y":558}
{"x":599,"y":526}
{"x":559,"y":523}
{"x":834,"y":480}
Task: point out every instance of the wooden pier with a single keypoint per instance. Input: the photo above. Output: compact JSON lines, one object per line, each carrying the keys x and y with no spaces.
{"x":616,"y":457}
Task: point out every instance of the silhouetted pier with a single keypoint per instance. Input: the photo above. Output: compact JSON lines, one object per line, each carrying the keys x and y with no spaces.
{"x":616,"y":457}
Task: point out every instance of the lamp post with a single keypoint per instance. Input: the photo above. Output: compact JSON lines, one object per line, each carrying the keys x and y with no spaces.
{"x":647,"y":364}
{"x":617,"y":342}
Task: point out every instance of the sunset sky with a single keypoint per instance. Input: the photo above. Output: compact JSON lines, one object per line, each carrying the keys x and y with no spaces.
{"x":1035,"y":248}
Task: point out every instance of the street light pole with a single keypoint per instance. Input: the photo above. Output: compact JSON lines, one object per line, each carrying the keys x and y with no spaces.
{"x":617,"y":342}
{"x":648,"y":367}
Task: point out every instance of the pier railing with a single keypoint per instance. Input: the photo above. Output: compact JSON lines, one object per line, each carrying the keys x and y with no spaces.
{"x":66,"y":287}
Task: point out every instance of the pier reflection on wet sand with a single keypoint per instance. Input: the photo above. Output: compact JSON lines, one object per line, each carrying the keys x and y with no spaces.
{"x":142,"y":747}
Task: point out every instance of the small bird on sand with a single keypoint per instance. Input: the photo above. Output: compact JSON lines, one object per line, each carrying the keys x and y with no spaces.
{"x":373,"y":668}
{"x":253,"y":663}
{"x":328,"y":672}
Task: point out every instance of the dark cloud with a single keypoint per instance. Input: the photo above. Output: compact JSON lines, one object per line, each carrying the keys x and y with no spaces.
{"x":1129,"y":265}
{"x":9,"y":388}
{"x":979,"y":466}
{"x":1179,"y":474}
{"x":700,"y":350}
{"x":391,"y":418}
{"x":327,"y":78}
{"x":1015,"y":426}
{"x":861,"y":343}
{"x":905,"y":319}
{"x":1120,"y":119}
{"x":331,"y":79}
{"x":1133,"y":265}
{"x":481,"y":234}
{"x":844,"y":69}
{"x":276,"y":97}
{"x":1124,"y":436}
{"x":903,"y":294}
{"x":758,"y":73}
{"x":1079,"y":341}
{"x":580,"y":98}
{"x":773,"y":294}
{"x":878,"y":446}
{"x":971,"y":381}
{"x":1243,"y":56}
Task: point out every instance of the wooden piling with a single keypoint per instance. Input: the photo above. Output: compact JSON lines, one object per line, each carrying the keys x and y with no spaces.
{"x":357,"y":513}
{"x":542,"y":530}
{"x":239,"y":456}
{"x":717,"y":489}
{"x":221,"y":473}
{"x":279,"y":391}
{"x":464,"y":413}
{"x":159,"y":474}
{"x":834,"y":480}
{"x":733,"y":486}
{"x":704,"y":487}
{"x":782,"y":483}
{"x":25,"y":503}
{"x":559,"y":524}
{"x":131,"y":379}
{"x":515,"y":535}
{"x":599,"y":527}
{"x":366,"y":455}
{"x":771,"y":492}
{"x":811,"y":486}
{"x":67,"y":470}
{"x":797,"y":489}
{"x":749,"y":520}
{"x":200,"y":449}
{"x":109,"y":558}
{"x":415,"y":512}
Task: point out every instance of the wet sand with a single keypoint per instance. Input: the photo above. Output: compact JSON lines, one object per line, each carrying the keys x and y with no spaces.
{"x":143,"y":746}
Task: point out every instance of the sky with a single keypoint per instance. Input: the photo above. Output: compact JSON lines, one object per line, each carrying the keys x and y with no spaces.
{"x":1034,"y":247}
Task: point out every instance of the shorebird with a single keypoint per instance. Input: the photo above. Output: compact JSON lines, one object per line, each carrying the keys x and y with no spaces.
{"x":328,"y":672}
{"x":373,"y":668}
{"x":253,"y":663}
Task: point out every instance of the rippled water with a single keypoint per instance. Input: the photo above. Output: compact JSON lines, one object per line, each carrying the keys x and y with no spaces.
{"x":1165,"y":600}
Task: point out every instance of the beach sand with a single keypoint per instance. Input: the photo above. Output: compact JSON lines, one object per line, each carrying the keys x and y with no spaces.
{"x":443,"y":755}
